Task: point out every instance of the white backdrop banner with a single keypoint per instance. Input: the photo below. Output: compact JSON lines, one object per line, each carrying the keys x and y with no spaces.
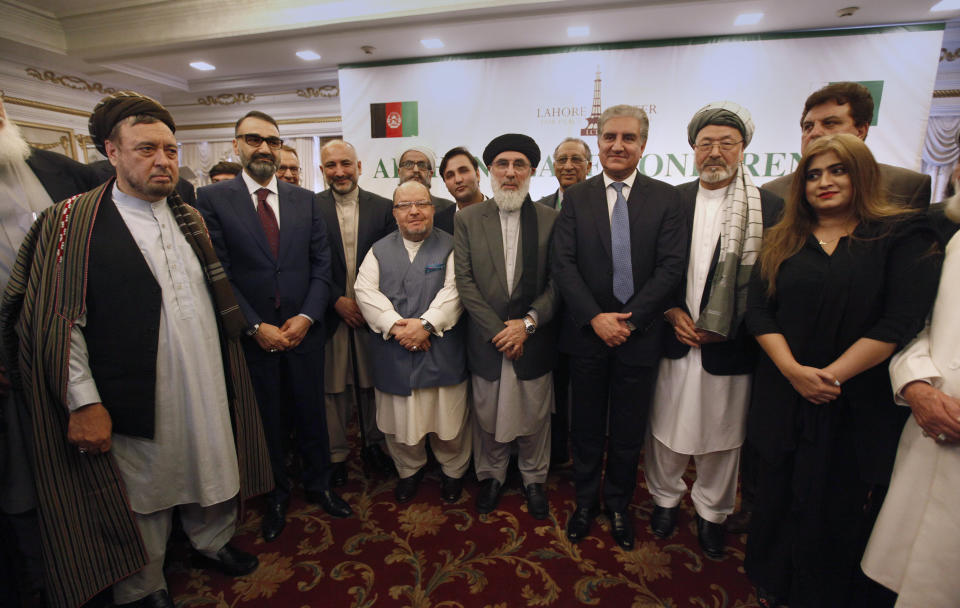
{"x":552,"y":94}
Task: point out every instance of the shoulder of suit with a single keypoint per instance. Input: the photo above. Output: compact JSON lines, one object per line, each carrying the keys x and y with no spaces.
{"x":371,"y":196}
{"x":892,"y":171}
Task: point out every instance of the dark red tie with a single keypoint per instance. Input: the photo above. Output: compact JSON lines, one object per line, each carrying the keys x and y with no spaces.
{"x":270,"y":227}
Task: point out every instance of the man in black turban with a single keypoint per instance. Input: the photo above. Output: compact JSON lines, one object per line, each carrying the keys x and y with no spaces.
{"x":502,"y":275}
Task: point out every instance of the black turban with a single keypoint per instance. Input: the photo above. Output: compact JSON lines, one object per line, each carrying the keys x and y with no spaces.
{"x":120,"y":105}
{"x":513,"y":142}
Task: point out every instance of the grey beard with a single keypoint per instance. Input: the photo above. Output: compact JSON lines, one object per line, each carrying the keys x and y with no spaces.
{"x":13,"y":147}
{"x":713,"y":175}
{"x":510,"y":200}
{"x":261,"y":170}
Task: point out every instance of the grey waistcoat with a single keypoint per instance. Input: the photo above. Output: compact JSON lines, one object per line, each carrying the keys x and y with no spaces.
{"x":411,"y":287}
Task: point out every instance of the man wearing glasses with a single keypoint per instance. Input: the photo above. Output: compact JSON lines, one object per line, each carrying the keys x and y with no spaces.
{"x":504,"y":282}
{"x":571,"y":163}
{"x":406,"y":291}
{"x":289,"y":168}
{"x":272,"y":241}
{"x":417,"y":163}
{"x":703,"y":386}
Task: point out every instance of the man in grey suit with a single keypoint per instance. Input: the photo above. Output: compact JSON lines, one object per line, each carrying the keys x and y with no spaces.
{"x":847,"y":107}
{"x":571,"y":163}
{"x":418,"y":163}
{"x":501,"y":259}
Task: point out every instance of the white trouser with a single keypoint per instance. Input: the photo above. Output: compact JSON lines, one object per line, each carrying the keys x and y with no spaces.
{"x":452,"y":454}
{"x":208,"y":528}
{"x":714,"y":492}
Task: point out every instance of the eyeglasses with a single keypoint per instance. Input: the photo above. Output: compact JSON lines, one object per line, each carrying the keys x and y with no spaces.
{"x":407,"y":206}
{"x":253,"y":140}
{"x":725,"y":145}
{"x":504,"y":164}
{"x":285,"y":168}
{"x":419,"y":164}
{"x":562,"y":160}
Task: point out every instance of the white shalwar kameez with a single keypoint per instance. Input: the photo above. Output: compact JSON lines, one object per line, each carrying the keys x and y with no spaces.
{"x":191,"y":460}
{"x":694,"y":412}
{"x":440,"y":412}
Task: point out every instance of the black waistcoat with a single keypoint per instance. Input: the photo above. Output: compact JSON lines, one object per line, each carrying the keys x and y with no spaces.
{"x":123,"y":324}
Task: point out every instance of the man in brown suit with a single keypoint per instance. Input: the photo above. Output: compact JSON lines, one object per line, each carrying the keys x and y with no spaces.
{"x":847,"y":107}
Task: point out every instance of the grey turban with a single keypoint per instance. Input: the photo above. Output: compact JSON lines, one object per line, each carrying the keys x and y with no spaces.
{"x":724,"y":114}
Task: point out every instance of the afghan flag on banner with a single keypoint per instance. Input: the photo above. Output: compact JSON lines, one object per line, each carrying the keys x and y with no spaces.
{"x":395,"y":119}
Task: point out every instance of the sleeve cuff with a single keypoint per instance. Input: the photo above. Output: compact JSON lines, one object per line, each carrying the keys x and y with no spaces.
{"x":82,"y":393}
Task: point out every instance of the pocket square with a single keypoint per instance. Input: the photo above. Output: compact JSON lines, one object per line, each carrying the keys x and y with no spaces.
{"x":435,"y":267}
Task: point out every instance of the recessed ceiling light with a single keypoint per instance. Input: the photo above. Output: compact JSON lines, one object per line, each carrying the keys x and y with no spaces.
{"x":945,"y":5}
{"x":578,"y":31}
{"x":308,"y":55}
{"x":202,"y":65}
{"x":432,"y":43}
{"x":748,"y":18}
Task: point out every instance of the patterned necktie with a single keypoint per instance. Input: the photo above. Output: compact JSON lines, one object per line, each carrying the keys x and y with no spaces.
{"x":269,"y":221}
{"x":620,"y":244}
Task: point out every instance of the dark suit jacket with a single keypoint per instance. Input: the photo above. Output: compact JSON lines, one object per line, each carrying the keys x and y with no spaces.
{"x":440,"y":204}
{"x":301,"y":275}
{"x":738,"y":354}
{"x":583,"y":265}
{"x":443,"y":219}
{"x":550,"y":200}
{"x":944,"y":225}
{"x":60,"y":175}
{"x":105,"y":171}
{"x":482,"y":283}
{"x":901,"y":186}
{"x":375,"y":221}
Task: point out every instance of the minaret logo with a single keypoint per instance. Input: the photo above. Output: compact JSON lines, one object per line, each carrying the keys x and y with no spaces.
{"x":594,"y":119}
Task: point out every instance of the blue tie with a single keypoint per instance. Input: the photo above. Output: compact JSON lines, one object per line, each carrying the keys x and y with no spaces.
{"x":620,"y":242}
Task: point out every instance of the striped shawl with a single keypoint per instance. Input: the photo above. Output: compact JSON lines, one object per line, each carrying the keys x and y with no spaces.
{"x":89,"y":538}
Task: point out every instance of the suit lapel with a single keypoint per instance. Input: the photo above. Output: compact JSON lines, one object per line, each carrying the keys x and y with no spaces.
{"x":493,"y":234}
{"x":247,"y":214}
{"x":328,"y":207}
{"x":598,"y":209}
{"x":292,"y":215}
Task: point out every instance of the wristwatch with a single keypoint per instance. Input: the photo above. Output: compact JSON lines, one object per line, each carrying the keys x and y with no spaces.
{"x":253,"y":330}
{"x":530,"y":326}
{"x":427,"y":325}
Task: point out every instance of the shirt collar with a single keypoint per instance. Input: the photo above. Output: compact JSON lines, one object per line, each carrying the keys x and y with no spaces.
{"x":607,"y":180}
{"x":253,"y":186}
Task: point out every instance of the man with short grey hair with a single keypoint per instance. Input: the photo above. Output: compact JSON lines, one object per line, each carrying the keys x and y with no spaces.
{"x":571,"y":164}
{"x":618,"y":255}
{"x":418,"y":163}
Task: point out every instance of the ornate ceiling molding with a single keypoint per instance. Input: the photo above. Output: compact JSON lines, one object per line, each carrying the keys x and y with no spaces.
{"x":71,"y":82}
{"x":39,"y":105}
{"x":946,"y":55}
{"x":947,"y":93}
{"x":226,"y":99}
{"x":324,"y":91}
{"x":286,"y":121}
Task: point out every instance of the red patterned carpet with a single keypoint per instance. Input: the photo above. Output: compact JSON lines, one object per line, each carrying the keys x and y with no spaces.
{"x":427,"y":554}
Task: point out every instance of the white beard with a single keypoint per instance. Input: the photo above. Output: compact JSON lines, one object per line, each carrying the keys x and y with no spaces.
{"x":13,"y":147}
{"x":510,"y":200}
{"x":952,"y":207}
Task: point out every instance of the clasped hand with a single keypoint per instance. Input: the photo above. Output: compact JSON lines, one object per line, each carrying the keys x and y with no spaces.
{"x":510,"y":339}
{"x":688,"y":333}
{"x":611,"y":327}
{"x":815,"y":385}
{"x":411,"y":335}
{"x":936,"y":412}
{"x":272,"y":338}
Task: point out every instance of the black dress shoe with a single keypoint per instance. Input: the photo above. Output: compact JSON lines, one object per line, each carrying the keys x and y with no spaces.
{"x":663,"y":520}
{"x":330,"y":501}
{"x":274,"y":520}
{"x":711,"y":538}
{"x":374,"y":456}
{"x":537,"y":503}
{"x":450,"y":488}
{"x":407,"y":487}
{"x":621,"y":528}
{"x":338,"y":476}
{"x":578,"y":527}
{"x":157,"y":599}
{"x":230,"y":561}
{"x":489,"y":496}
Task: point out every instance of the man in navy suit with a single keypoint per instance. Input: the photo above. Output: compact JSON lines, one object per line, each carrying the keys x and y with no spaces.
{"x":614,"y":296}
{"x":272,"y":241}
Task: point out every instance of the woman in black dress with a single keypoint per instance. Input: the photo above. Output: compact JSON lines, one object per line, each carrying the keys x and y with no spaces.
{"x":844,"y":280}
